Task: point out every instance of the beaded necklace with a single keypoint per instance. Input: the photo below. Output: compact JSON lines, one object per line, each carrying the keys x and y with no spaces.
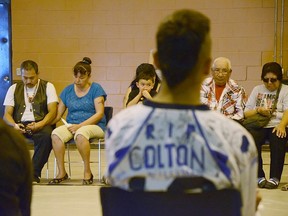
{"x":31,"y":98}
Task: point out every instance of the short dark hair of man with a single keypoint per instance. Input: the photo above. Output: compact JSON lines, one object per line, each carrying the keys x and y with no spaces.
{"x":29,"y":65}
{"x":179,"y":42}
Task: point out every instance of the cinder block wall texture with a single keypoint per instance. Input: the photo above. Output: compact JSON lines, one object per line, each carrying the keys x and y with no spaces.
{"x":119,"y":34}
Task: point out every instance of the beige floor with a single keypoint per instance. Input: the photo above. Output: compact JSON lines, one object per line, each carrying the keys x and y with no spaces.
{"x":74,"y":199}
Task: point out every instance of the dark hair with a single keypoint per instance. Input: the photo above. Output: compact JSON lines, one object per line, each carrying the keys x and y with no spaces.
{"x":83,"y":67}
{"x":272,"y":67}
{"x":179,"y":42}
{"x":145,"y":71}
{"x":146,"y":68}
{"x":28,"y":65}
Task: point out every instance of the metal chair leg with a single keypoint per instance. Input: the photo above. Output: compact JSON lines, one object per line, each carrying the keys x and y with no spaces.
{"x":99,"y":159}
{"x":55,"y":167}
{"x":69,"y":161}
{"x":47,"y":169}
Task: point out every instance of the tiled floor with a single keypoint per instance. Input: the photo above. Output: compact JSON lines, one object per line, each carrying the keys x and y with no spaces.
{"x":73,"y":199}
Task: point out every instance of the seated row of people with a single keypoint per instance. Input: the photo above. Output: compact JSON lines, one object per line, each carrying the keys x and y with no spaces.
{"x":223,"y":94}
{"x":31,"y":108}
{"x":175,"y":135}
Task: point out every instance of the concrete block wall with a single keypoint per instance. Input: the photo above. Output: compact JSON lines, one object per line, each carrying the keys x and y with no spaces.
{"x":118,"y":35}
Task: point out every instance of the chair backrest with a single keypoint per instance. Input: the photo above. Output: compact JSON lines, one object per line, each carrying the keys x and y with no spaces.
{"x":108,"y":112}
{"x":118,"y":202}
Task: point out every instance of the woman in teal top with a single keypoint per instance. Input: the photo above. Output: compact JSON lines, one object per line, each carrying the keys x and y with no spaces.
{"x":85,"y":119}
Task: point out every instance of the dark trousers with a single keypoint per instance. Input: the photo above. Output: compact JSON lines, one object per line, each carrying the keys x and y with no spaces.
{"x":277,"y":151}
{"x":42,"y":148}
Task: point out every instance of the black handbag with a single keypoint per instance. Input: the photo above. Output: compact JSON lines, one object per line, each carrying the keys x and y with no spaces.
{"x":259,"y":121}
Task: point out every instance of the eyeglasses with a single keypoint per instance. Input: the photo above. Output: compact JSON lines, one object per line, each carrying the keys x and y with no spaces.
{"x":223,"y":71}
{"x":272,"y":80}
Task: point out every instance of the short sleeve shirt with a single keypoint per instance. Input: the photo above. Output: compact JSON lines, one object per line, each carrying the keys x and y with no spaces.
{"x":82,"y":108}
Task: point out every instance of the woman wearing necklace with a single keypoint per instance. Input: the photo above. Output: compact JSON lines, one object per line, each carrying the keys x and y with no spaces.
{"x":85,"y":103}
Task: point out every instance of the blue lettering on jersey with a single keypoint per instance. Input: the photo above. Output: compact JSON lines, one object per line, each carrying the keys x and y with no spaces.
{"x":200,"y":159}
{"x":169,"y":153}
{"x":182,"y":155}
{"x":190,"y":129}
{"x":150,"y":156}
{"x":135,"y":158}
{"x":160,"y":161}
{"x":149,"y":131}
{"x":166,"y":156}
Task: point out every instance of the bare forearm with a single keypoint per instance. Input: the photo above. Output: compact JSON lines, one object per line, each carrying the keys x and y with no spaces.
{"x":93,"y":119}
{"x":57,"y":118}
{"x":9,"y":119}
{"x":135,"y":100}
{"x":48,"y":119}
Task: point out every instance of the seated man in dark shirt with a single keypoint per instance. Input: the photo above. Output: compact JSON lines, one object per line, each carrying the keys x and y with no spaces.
{"x":145,"y":81}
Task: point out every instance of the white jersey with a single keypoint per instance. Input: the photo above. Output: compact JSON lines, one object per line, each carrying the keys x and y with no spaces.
{"x":161,"y":142}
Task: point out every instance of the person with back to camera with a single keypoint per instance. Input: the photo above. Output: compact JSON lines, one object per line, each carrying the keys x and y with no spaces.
{"x":133,"y":86}
{"x":16,"y":173}
{"x":173,"y":135}
{"x":222,"y":93}
{"x":30,"y":107}
{"x":261,"y":101}
{"x":85,"y":119}
{"x":145,"y":84}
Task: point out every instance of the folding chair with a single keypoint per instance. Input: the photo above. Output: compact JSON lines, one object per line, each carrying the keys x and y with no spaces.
{"x":98,"y":142}
{"x":118,"y":202}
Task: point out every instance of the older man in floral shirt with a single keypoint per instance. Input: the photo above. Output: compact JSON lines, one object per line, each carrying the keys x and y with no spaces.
{"x":221,"y":93}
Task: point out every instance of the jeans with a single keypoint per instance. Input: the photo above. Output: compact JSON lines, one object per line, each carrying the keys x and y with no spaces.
{"x":42,"y":148}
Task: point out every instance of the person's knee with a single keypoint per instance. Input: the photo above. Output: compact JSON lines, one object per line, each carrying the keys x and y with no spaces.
{"x":55,"y":138}
{"x":80,"y":138}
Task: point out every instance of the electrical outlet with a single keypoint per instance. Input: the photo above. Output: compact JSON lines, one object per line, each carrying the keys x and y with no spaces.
{"x":18,"y":71}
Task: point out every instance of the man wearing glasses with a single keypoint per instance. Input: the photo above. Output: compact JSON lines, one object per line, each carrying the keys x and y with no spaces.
{"x":221,"y":93}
